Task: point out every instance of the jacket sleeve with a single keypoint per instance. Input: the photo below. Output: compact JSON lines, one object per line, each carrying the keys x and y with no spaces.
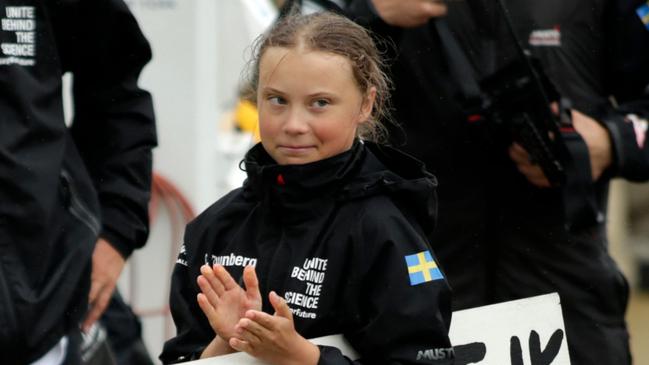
{"x":399,"y":317}
{"x":627,"y":79}
{"x":628,"y":129}
{"x":193,"y":331}
{"x":113,"y":125}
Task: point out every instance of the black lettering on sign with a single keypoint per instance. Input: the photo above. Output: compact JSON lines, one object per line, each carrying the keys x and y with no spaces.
{"x":537,"y":356}
{"x":515,"y":351}
{"x":470,"y":353}
{"x":545,"y":357}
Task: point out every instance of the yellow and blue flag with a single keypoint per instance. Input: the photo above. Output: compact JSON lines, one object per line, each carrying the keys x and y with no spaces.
{"x":643,"y":13}
{"x":422,"y":268}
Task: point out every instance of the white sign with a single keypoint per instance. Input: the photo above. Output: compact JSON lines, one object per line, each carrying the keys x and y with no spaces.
{"x":521,"y":332}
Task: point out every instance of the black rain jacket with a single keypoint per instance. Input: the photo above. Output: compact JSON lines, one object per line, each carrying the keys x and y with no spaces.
{"x":331,"y":237}
{"x":61,"y":187}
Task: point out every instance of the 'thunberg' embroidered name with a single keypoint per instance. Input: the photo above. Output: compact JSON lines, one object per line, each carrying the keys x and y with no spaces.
{"x":230,"y":260}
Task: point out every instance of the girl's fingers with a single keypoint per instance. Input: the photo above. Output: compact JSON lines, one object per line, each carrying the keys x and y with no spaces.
{"x":207,"y":289}
{"x":251,"y":282}
{"x":262,"y":319}
{"x":252,"y":331}
{"x":216,"y":284}
{"x":205,"y":305}
{"x":279,"y":304}
{"x":225,"y":278}
{"x":240,"y":345}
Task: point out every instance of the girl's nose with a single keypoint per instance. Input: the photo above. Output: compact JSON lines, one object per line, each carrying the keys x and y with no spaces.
{"x":295,"y":122}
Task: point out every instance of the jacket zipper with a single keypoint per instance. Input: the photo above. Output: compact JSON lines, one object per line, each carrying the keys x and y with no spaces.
{"x":77,"y":208}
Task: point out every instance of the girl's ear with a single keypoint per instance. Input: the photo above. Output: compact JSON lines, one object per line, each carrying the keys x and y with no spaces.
{"x":368,"y":104}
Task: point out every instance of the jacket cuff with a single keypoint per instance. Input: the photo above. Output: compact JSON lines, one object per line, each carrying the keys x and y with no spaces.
{"x":125,"y":235}
{"x":117,"y":241}
{"x":630,"y":152}
{"x":331,"y":356}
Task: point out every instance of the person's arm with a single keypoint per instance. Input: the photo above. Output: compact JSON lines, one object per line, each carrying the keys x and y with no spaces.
{"x":399,"y":317}
{"x":114,"y":125}
{"x":626,"y":56}
{"x":628,"y":128}
{"x":193,"y":332}
{"x":114,"y":129}
{"x":616,"y":141}
{"x":598,"y":141}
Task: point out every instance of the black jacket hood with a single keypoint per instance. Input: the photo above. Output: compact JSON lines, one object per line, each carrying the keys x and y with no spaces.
{"x":365,"y":170}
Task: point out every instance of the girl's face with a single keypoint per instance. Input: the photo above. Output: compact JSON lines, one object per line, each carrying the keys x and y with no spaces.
{"x":309,"y":105}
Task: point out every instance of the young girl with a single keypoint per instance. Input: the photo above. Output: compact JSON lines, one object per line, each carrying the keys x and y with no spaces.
{"x":329,"y":232}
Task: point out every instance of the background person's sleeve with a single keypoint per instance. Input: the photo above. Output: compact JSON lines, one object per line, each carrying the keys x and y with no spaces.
{"x":627,"y":80}
{"x":113,"y":125}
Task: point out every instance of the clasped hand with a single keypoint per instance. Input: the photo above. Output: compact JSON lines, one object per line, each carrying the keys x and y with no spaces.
{"x":597,"y":141}
{"x":235,"y":316}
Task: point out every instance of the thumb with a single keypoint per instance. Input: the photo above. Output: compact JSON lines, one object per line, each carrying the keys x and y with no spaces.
{"x":251,"y":282}
{"x":280,"y":306}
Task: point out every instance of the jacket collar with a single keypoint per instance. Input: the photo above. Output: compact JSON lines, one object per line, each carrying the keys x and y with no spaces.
{"x":300,"y":182}
{"x":367,"y":169}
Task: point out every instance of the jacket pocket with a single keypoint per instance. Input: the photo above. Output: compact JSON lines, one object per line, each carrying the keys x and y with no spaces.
{"x":75,"y":204}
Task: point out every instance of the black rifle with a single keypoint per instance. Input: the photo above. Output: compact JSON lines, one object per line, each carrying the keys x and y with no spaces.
{"x":514,"y":102}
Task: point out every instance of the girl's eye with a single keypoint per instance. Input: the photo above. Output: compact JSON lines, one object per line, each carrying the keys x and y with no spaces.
{"x":320,"y":103}
{"x":277,"y":100}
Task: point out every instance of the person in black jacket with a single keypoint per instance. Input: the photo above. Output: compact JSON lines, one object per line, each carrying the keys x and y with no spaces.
{"x":330,"y":232}
{"x":520,"y":242}
{"x":70,"y":195}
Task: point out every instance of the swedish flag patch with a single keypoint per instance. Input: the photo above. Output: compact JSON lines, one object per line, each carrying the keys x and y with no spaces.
{"x":422,"y":268}
{"x":643,"y":13}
